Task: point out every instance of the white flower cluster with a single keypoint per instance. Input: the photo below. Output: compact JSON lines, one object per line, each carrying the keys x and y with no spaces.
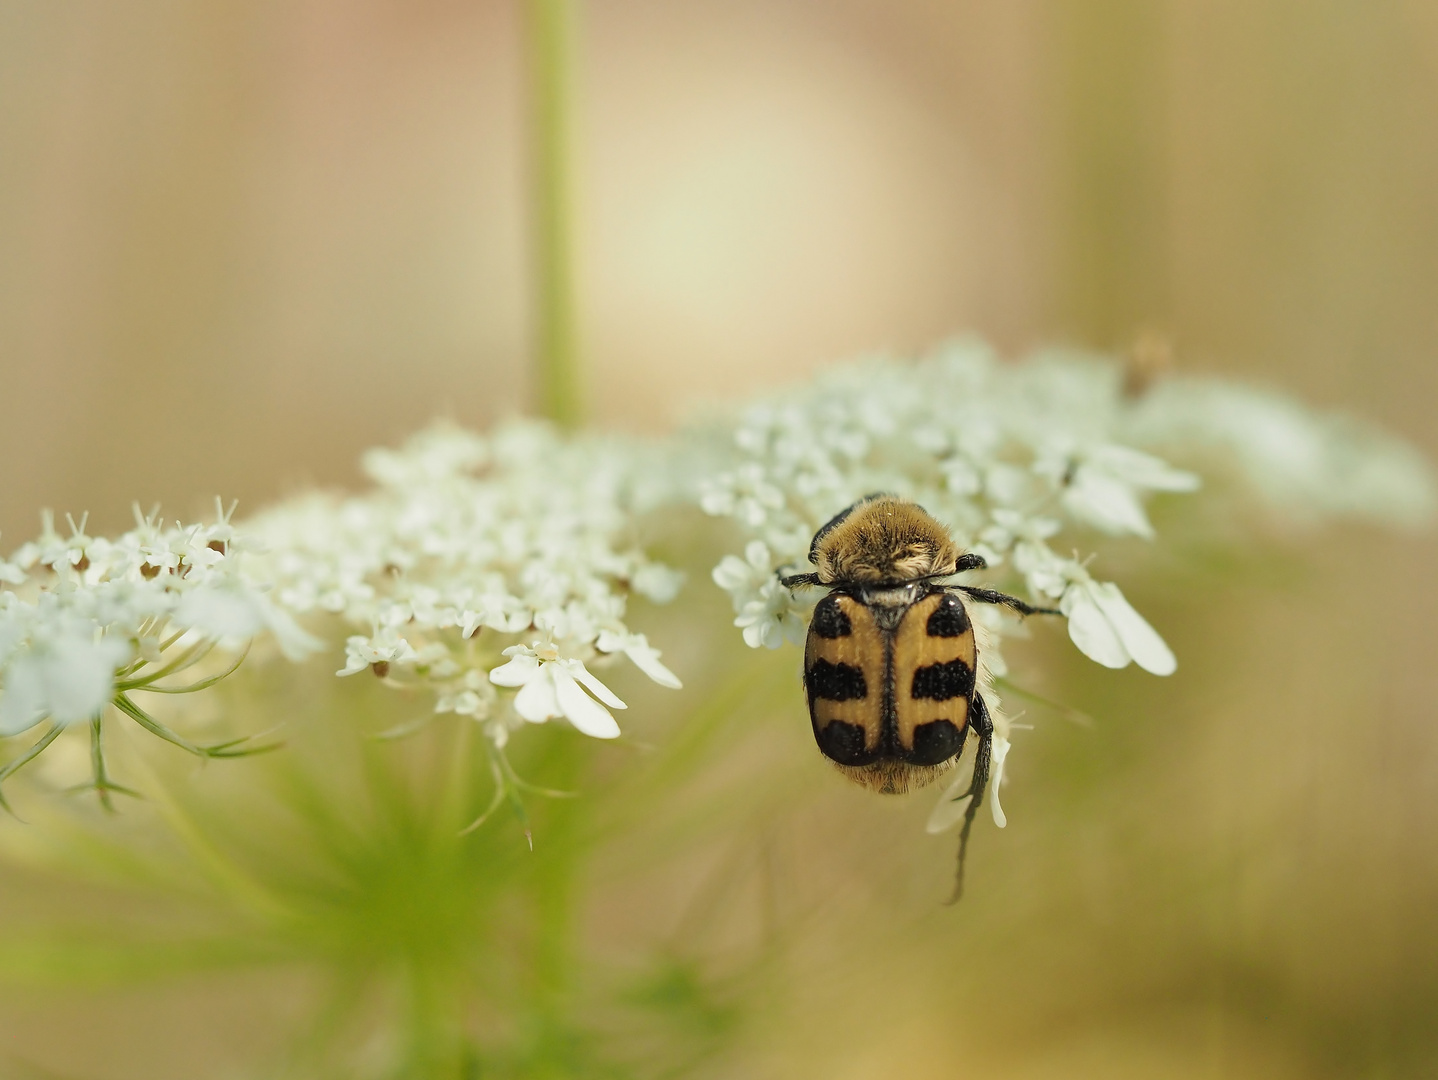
{"x":83,"y":618}
{"x":492,"y":572}
{"x":1011,"y":456}
{"x":1007,"y":455}
{"x":1304,"y":464}
{"x":483,"y":565}
{"x":488,"y":571}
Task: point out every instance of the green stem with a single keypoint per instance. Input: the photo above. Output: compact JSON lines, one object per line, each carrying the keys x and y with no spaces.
{"x":236,"y":884}
{"x":51,"y":734}
{"x":551,"y":43}
{"x":97,"y":764}
{"x":558,"y":852}
{"x":429,"y":1052}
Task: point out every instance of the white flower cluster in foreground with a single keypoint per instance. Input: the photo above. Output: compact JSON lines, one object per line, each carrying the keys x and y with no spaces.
{"x":1025,"y":462}
{"x":480,"y":566}
{"x":488,"y":571}
{"x":88,"y":622}
{"x":83,"y":616}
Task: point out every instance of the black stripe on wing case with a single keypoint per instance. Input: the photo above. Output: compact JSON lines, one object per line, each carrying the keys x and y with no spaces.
{"x":836,"y":682}
{"x":830,"y":621}
{"x":949,"y":619}
{"x":935,"y":742}
{"x":943,"y":682}
{"x":844,"y":743}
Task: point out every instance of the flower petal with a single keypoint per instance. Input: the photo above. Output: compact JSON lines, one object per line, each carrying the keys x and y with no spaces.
{"x":760,"y":631}
{"x":1144,"y":470}
{"x":537,"y":701}
{"x":756,"y":554}
{"x":519,"y":671}
{"x":646,"y":659}
{"x":81,"y":677}
{"x":952,"y":804}
{"x":1106,"y":503}
{"x":996,"y":778}
{"x":22,"y":705}
{"x":586,"y":714}
{"x":576,"y":670}
{"x":657,"y":582}
{"x":1140,"y":639}
{"x":1090,"y":629}
{"x":732,"y":573}
{"x":294,"y":641}
{"x":224,"y":612}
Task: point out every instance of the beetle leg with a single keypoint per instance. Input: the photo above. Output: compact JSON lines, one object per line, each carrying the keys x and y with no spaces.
{"x":795,"y":580}
{"x":989,"y":596}
{"x":984,"y":726}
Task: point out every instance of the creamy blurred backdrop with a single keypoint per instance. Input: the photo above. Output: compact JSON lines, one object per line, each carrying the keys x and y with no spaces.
{"x":242,"y":241}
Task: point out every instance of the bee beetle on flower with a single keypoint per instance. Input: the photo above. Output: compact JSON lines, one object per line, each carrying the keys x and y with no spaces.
{"x":892,"y":664}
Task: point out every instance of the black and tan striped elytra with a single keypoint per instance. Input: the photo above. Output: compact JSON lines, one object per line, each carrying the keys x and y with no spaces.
{"x":889,"y":689}
{"x":891,"y":667}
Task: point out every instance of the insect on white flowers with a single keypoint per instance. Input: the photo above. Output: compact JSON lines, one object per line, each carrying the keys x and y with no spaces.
{"x":1012,"y":457}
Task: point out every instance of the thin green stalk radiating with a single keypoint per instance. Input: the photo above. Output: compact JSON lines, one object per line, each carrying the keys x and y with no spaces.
{"x":551,"y":47}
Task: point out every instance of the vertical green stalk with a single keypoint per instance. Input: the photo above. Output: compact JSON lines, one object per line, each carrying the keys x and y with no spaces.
{"x":554,"y":882}
{"x":97,"y":764}
{"x":551,"y":46}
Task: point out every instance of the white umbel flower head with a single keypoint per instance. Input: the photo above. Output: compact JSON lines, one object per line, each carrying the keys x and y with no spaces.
{"x":1009,"y":456}
{"x":471,"y":542}
{"x":76,"y":608}
{"x":467,"y":543}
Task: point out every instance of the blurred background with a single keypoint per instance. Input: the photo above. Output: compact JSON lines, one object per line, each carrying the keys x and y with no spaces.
{"x":240,"y":242}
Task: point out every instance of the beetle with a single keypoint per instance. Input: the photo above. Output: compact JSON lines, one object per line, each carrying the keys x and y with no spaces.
{"x":891,"y":665}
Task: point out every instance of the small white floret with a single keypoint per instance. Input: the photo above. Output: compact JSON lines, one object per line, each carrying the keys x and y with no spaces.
{"x":550,"y":686}
{"x":11,"y":573}
{"x":1107,"y":485}
{"x":743,"y":577}
{"x":773,"y":617}
{"x":385,"y":646}
{"x":226,"y":612}
{"x":68,"y":678}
